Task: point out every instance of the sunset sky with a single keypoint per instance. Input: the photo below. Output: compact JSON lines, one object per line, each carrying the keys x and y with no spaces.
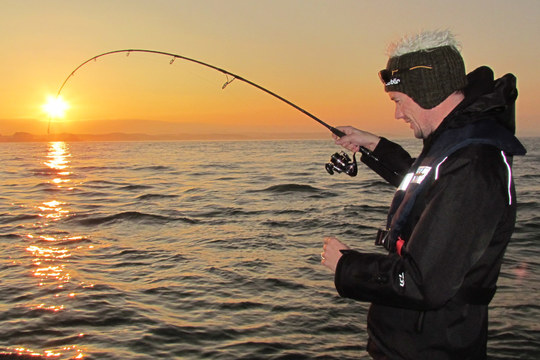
{"x":321,"y":55}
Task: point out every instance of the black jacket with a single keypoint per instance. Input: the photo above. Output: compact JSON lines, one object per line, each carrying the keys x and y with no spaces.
{"x":430,"y":300}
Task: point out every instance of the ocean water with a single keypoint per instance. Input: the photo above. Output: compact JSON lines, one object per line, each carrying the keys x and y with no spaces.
{"x":209,"y":250}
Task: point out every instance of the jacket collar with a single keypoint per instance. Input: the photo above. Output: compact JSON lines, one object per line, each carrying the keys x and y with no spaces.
{"x":484,"y":96}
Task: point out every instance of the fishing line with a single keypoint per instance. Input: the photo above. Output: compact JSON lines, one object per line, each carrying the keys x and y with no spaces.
{"x":334,"y":130}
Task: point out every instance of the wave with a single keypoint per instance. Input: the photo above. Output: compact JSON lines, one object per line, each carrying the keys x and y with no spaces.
{"x":154,"y":168}
{"x":228,"y":212}
{"x":135,"y":187}
{"x":45,"y":186}
{"x":156,"y":196}
{"x":297,"y":188}
{"x":93,"y":183}
{"x":133,"y":216}
{"x":377,"y":184}
{"x":94,"y":168}
{"x":10,"y":236}
{"x":46,"y":171}
{"x":13,"y":219}
{"x":284,"y":188}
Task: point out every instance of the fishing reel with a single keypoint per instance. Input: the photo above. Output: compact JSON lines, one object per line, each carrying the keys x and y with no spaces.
{"x":341,"y":162}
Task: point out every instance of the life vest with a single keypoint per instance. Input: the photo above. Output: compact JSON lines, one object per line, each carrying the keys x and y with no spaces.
{"x":425,"y":171}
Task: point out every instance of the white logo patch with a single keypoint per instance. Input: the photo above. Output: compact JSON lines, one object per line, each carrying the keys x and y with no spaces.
{"x":402,"y":279}
{"x":421,"y":174}
{"x":393,"y":81}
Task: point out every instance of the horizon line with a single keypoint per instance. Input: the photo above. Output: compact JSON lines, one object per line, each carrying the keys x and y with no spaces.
{"x":22,"y":136}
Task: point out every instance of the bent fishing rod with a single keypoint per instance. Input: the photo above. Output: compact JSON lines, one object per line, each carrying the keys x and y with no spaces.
{"x":334,"y":130}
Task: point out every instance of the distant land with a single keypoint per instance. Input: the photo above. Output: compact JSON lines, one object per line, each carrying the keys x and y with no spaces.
{"x":33,"y":130}
{"x":28,"y":137}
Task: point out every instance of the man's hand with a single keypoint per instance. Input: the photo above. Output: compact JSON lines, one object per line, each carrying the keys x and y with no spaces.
{"x":355,"y":138}
{"x":331,"y":252}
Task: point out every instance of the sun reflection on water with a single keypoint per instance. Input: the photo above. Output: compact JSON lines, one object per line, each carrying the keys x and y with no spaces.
{"x":58,"y":160}
{"x":51,"y":253}
{"x":58,"y":157}
{"x":26,"y":353}
{"x":52,"y":210}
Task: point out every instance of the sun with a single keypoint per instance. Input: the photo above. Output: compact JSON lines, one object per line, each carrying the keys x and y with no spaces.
{"x":55,"y":107}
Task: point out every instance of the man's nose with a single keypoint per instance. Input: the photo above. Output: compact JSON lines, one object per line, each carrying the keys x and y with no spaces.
{"x":398,"y":114}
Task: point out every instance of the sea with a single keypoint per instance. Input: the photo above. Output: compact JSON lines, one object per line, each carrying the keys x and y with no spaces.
{"x":210,"y":250}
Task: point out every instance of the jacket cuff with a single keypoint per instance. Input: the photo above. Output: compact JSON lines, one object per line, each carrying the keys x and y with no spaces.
{"x":389,"y":160}
{"x":365,"y":276}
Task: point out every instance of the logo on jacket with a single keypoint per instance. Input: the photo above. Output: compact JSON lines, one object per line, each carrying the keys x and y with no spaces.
{"x":420,"y":174}
{"x":402,"y":279}
{"x":414,"y":178}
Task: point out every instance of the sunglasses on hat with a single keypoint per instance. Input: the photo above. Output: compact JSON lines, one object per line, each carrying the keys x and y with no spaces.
{"x":386,"y":75}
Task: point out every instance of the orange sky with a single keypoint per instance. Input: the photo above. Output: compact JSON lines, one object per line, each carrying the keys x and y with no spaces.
{"x":321,"y":55}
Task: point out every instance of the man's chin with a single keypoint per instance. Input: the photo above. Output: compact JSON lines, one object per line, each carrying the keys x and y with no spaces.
{"x":418,"y":134}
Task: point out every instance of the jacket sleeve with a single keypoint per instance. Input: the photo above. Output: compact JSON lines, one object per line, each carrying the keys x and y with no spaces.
{"x":460,"y":216}
{"x":389,"y":160}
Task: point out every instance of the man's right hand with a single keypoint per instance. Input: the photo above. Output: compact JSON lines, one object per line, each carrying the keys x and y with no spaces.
{"x":354,"y":138}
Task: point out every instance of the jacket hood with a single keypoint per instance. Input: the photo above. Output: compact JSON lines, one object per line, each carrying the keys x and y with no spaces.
{"x":487,"y":97}
{"x":488,"y":106}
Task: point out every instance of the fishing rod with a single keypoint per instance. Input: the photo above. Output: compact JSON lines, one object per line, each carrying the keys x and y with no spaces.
{"x":228,"y":73}
{"x":334,"y":130}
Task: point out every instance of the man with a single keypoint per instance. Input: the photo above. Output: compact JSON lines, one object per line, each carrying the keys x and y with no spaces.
{"x":452,"y":215}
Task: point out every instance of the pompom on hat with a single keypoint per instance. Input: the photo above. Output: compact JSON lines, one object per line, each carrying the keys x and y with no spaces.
{"x":428,"y":76}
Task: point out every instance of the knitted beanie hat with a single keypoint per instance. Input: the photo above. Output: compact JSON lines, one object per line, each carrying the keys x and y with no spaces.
{"x":428,"y":76}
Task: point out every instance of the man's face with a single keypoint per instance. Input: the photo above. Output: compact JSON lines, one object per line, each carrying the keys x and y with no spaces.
{"x":417,"y":117}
